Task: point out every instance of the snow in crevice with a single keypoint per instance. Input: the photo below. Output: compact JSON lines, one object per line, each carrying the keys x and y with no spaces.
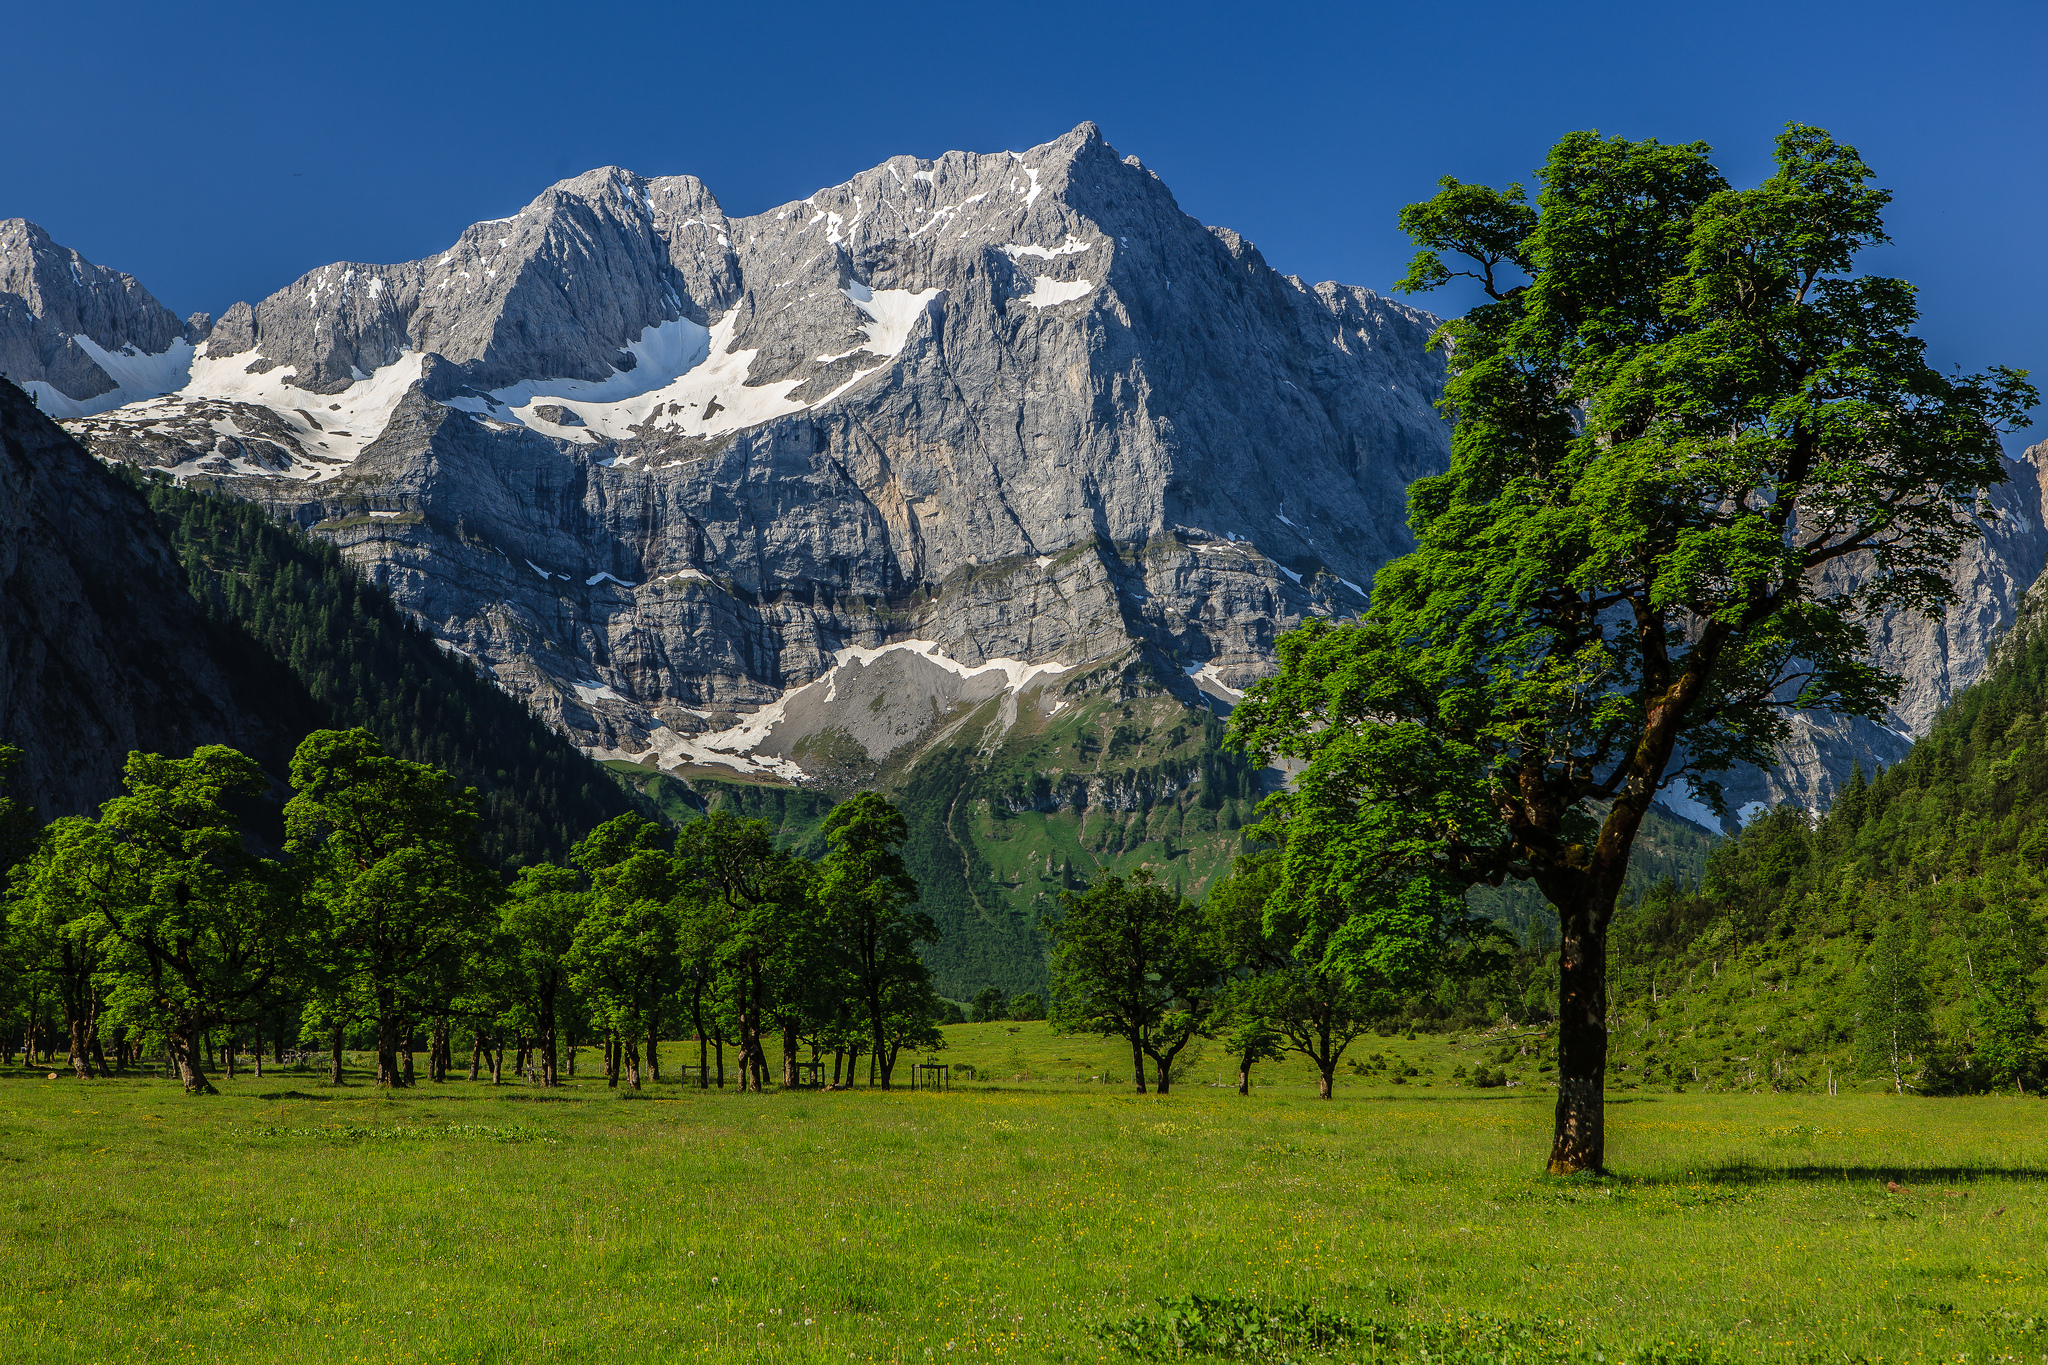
{"x":1047,"y":291}
{"x":1209,"y":679}
{"x":1071,"y":247}
{"x":137,"y":376}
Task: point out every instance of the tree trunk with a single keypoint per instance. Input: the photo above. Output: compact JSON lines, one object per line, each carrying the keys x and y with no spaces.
{"x":697,"y":1023}
{"x":789,"y":1053}
{"x":1579,"y":1139}
{"x":1244,"y":1074}
{"x":227,"y":1053}
{"x":187,"y":1048}
{"x":1138,"y":1063}
{"x":476,"y":1053}
{"x":256,"y":1052}
{"x":1326,"y":1078}
{"x":1164,"y":1072}
{"x":498,"y":1060}
{"x":334,"y":1049}
{"x":653,"y":1052}
{"x":387,"y":1040}
{"x":551,"y":1075}
{"x":632,"y":1062}
{"x":81,"y":1061}
{"x":720,"y":1042}
{"x":611,"y":1059}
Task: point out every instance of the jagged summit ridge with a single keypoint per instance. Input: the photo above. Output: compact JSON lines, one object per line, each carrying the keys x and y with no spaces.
{"x":79,"y":337}
{"x":656,"y":467}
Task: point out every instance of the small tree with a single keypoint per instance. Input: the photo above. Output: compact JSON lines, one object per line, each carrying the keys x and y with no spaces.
{"x":1892,"y":1020}
{"x":866,"y":894}
{"x":195,"y":931}
{"x":1128,"y":961}
{"x":1028,"y":1007}
{"x":988,"y":1005}
{"x":539,"y":921}
{"x":382,"y":848}
{"x":2007,"y":1027}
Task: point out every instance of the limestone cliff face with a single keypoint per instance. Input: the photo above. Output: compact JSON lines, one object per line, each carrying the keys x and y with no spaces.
{"x":101,"y":648}
{"x":657,"y":469}
{"x":790,"y":494}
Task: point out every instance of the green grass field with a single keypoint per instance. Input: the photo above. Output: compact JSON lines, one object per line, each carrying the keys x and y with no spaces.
{"x":286,"y":1221}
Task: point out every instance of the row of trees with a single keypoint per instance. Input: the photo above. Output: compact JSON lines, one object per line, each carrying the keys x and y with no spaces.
{"x":156,"y":919}
{"x":1251,"y":966}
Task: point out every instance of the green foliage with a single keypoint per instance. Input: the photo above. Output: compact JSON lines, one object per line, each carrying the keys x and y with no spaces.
{"x":988,"y":1006}
{"x":1028,"y":1007}
{"x":1892,"y":1023}
{"x":1129,"y":960}
{"x":382,"y":848}
{"x":367,"y":665}
{"x":1679,"y":407}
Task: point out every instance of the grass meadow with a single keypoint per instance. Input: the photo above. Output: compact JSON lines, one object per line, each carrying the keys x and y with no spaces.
{"x":287,"y":1221}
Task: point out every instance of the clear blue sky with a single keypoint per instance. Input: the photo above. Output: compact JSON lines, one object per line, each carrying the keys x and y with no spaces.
{"x":217,"y":151}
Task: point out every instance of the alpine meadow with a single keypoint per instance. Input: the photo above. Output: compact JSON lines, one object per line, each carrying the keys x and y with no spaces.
{"x":962,"y":769}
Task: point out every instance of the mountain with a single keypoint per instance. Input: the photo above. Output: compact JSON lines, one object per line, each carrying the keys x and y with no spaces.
{"x":990,"y":478}
{"x":102,"y":650}
{"x":80,"y":337}
{"x":137,"y":614}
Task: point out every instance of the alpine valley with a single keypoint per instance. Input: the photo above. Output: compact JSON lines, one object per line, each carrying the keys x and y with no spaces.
{"x":987,"y":480}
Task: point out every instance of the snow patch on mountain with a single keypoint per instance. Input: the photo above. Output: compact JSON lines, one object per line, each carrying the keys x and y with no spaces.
{"x":137,"y":375}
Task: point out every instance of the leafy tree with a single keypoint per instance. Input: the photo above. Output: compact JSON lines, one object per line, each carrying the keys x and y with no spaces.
{"x":624,"y":961}
{"x":539,"y":922}
{"x":988,"y":1005}
{"x":2007,"y":1027}
{"x":1679,"y":410}
{"x":1028,"y":1007}
{"x":749,"y":897}
{"x":1128,"y":961}
{"x":53,"y":937}
{"x":866,"y":893}
{"x":1287,"y":990}
{"x":1893,"y":1024}
{"x":382,"y":848}
{"x":194,"y":930}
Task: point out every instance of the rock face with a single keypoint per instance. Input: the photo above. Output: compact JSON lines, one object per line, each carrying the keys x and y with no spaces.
{"x":657,"y":469}
{"x":79,"y":337}
{"x":791,"y":495}
{"x":101,"y":648}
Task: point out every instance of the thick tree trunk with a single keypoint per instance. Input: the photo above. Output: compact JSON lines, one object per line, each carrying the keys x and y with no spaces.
{"x":654,"y":1051}
{"x":187,"y":1048}
{"x":387,"y":1041}
{"x":81,"y":1060}
{"x":227,"y":1053}
{"x":334,"y":1053}
{"x":789,"y":1054}
{"x":1138,"y":1063}
{"x":632,"y":1057}
{"x":1326,"y":1082}
{"x":1244,"y":1074}
{"x":476,"y":1053}
{"x":1579,"y":1139}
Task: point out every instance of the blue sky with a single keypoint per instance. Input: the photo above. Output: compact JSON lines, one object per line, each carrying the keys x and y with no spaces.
{"x":218,"y":151}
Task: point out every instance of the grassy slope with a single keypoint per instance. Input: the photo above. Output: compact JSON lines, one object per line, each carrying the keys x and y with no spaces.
{"x":997,"y":833}
{"x":288,"y":1221}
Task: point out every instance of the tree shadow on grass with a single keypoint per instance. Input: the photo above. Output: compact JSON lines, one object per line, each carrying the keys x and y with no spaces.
{"x":1905,"y":1174}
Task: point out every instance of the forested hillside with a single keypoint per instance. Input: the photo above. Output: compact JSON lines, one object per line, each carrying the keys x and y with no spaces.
{"x":1904,"y":926}
{"x":364,"y":663}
